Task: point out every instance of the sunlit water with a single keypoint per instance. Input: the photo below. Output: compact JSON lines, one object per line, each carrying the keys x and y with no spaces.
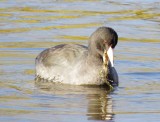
{"x":29,"y":26}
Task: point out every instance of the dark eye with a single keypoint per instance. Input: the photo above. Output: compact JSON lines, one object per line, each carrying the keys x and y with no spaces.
{"x":112,"y":46}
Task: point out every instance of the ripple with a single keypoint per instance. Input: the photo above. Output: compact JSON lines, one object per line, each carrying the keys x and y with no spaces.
{"x":11,"y":112}
{"x":71,"y":37}
{"x":69,"y":26}
{"x":29,"y":45}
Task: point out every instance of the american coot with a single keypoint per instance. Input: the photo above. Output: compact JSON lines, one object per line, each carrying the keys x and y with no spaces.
{"x":80,"y":65}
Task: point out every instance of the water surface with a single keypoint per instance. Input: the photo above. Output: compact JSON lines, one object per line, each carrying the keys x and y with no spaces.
{"x":28,"y":27}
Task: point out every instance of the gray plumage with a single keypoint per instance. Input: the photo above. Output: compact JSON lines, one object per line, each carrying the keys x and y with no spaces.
{"x":77,"y":64}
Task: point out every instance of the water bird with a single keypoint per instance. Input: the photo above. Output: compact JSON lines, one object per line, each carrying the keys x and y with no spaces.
{"x":81,"y":65}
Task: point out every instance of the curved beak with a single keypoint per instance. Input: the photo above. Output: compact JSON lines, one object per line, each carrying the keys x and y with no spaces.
{"x":110,"y":55}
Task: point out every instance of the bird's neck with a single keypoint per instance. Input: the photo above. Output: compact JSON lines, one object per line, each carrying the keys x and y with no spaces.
{"x":94,"y":59}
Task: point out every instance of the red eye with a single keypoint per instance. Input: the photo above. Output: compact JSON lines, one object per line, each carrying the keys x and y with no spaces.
{"x":112,"y":46}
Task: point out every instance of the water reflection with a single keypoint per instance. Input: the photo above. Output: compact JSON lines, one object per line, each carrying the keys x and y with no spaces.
{"x":99,"y":103}
{"x":100,"y":107}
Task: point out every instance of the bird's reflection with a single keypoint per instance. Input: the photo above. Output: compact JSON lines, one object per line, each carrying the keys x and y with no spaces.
{"x":100,"y":107}
{"x":99,"y":103}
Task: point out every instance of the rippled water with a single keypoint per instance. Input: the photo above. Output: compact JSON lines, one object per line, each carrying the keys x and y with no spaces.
{"x":29,"y":26}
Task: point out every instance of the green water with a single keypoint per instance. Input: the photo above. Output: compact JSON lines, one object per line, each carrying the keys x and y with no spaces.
{"x":28,"y":27}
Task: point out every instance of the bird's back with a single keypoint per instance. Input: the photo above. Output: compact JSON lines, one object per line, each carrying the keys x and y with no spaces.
{"x":53,"y":63}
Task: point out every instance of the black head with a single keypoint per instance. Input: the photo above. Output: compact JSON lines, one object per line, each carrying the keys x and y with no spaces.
{"x":101,"y":40}
{"x":101,"y":45}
